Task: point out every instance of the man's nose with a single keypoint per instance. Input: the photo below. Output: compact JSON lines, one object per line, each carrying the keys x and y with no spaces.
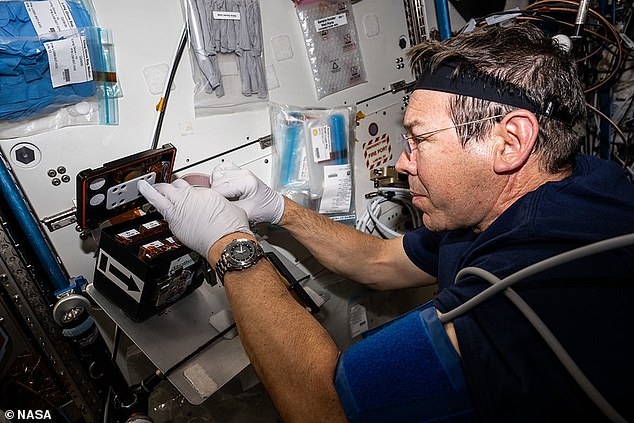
{"x":405,"y":164}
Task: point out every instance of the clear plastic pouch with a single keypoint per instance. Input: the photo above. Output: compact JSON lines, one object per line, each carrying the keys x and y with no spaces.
{"x":56,"y":68}
{"x":332,"y":44}
{"x":312,"y":158}
{"x":226,"y":51}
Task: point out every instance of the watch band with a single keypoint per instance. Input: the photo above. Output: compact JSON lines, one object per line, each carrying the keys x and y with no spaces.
{"x":229,"y":261}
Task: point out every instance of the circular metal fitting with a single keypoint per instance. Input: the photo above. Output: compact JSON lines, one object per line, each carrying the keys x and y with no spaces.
{"x":69,"y":308}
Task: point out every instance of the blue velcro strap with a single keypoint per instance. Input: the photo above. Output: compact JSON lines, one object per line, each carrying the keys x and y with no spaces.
{"x":406,"y":370}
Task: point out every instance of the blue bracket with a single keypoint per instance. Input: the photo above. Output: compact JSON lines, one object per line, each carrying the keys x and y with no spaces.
{"x":31,"y":229}
{"x":75,"y":286}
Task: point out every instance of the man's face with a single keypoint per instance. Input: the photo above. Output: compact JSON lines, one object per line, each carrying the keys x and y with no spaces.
{"x":452,"y":185}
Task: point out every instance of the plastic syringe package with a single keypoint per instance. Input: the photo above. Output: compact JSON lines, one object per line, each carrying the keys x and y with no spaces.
{"x":312,"y":158}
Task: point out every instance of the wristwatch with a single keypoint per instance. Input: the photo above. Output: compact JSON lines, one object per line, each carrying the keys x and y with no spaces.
{"x":239,"y":254}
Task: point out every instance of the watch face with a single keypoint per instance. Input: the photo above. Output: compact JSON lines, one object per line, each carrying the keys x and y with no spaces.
{"x":242,"y":252}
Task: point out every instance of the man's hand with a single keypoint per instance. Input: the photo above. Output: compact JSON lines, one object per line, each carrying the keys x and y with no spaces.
{"x":198,"y":217}
{"x":261,"y":203}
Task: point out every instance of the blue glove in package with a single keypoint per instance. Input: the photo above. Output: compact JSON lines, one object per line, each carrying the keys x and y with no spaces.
{"x":44,"y":56}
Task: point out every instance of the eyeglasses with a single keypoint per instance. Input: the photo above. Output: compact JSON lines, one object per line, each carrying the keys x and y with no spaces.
{"x":407,"y":145}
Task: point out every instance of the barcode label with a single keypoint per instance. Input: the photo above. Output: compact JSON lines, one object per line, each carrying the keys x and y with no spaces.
{"x":68,"y":61}
{"x":322,"y":143}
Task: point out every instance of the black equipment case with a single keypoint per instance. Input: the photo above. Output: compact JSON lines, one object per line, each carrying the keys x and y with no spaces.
{"x":141,"y":267}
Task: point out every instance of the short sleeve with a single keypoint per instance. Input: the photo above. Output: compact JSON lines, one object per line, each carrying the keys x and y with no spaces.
{"x":421,"y":246}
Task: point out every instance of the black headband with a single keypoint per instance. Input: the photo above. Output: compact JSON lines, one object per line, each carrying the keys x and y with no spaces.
{"x":485,"y":87}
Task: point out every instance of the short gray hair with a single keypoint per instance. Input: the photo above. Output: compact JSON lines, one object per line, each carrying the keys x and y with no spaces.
{"x":520,"y":55}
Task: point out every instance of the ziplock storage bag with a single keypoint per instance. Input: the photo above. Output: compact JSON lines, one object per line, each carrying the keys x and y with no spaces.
{"x":226,"y":51}
{"x":312,"y":158}
{"x":332,"y":44}
{"x":52,"y":56}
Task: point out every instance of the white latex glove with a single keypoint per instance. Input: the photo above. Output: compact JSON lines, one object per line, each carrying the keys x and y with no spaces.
{"x":198,"y":217}
{"x":261,"y":203}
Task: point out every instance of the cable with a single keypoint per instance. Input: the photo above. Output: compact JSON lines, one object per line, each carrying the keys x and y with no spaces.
{"x":370,"y":220}
{"x":500,"y":285}
{"x":260,"y":141}
{"x":162,"y":104}
{"x":610,"y":121}
{"x":577,"y":374}
{"x":601,"y":56}
{"x":628,"y":170}
{"x":538,"y":11}
{"x":544,"y":6}
{"x":559,"y":259}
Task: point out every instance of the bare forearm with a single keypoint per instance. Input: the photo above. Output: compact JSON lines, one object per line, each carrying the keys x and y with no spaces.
{"x":292,"y":353}
{"x":333,"y":244}
{"x":378,"y":263}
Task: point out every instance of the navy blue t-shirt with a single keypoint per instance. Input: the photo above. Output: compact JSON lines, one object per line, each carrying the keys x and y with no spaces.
{"x":588,"y":304}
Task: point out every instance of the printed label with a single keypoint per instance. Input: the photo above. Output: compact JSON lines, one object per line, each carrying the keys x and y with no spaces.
{"x":377,"y":151}
{"x":233,"y":16}
{"x":337,"y":194}
{"x":331,"y":22}
{"x":68,"y":61}
{"x":180,"y":263}
{"x":304,"y":174}
{"x":343,"y":217}
{"x":322,"y":143}
{"x":358,"y":320}
{"x":155,"y":244}
{"x":50,"y":16}
{"x":129,"y":234}
{"x":152,"y":224}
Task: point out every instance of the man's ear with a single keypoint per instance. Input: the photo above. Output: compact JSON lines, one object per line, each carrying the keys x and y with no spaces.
{"x":516,"y":137}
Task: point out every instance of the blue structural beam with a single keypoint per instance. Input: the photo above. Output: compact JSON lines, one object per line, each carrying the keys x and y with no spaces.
{"x":31,"y":229}
{"x":442,"y":18}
